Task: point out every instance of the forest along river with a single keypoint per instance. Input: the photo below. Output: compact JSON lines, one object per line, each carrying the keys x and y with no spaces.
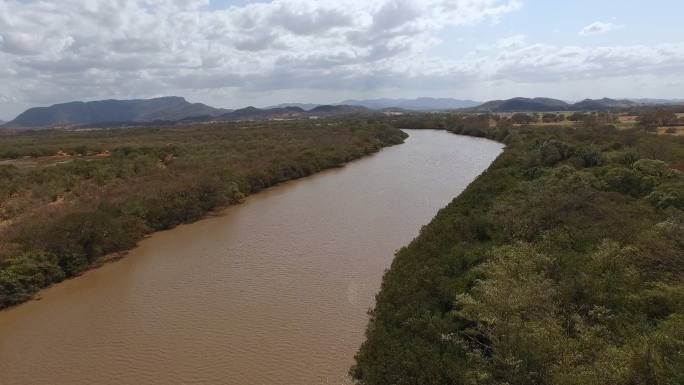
{"x":271,"y":291}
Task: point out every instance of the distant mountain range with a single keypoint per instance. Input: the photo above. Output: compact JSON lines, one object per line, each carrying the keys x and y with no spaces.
{"x":169,"y":108}
{"x":418,"y":104}
{"x":508,"y":105}
{"x":253,"y":113}
{"x":649,"y":101}
{"x":165,"y":110}
{"x":176,"y":109}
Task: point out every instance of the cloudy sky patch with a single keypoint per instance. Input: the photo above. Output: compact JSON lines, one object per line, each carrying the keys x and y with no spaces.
{"x":230,"y":53}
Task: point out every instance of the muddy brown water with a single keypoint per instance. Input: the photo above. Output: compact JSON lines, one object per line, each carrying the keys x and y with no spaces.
{"x":272,"y":291}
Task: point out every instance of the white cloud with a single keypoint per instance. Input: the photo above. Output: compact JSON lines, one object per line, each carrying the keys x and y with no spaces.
{"x":598,"y":28}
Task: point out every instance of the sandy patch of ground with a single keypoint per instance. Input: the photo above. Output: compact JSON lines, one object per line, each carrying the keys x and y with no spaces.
{"x":678,"y":130}
{"x":628,"y":118}
{"x":43,"y":161}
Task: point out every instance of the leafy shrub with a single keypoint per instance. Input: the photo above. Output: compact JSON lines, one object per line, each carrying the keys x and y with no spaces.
{"x":23,"y":275}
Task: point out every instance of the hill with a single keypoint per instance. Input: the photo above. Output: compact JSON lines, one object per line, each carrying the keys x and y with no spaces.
{"x":303,"y":106}
{"x":253,"y":113}
{"x":603,"y":104}
{"x":139,"y":110}
{"x":340,"y":109}
{"x":524,"y":105}
{"x":291,"y":112}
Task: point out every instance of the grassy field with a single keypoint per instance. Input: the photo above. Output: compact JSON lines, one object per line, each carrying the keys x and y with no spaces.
{"x":68,"y":198}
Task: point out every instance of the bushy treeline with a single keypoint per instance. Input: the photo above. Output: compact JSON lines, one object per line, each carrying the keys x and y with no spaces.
{"x":562,"y":264}
{"x":58,"y":218}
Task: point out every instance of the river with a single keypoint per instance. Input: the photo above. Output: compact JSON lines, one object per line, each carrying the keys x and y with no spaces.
{"x":271,"y":291}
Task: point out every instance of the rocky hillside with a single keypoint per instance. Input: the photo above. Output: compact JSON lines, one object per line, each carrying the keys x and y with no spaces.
{"x":140,"y":110}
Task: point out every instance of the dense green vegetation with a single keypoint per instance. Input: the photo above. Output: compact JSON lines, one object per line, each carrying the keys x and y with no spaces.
{"x":562,"y":264}
{"x":106,"y":189}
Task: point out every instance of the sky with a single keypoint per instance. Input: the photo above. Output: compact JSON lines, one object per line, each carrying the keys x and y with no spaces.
{"x":233,"y":53}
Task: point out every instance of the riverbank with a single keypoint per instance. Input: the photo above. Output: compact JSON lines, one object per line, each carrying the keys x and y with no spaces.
{"x":274,"y":290}
{"x":561,"y":264}
{"x":67,"y":215}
